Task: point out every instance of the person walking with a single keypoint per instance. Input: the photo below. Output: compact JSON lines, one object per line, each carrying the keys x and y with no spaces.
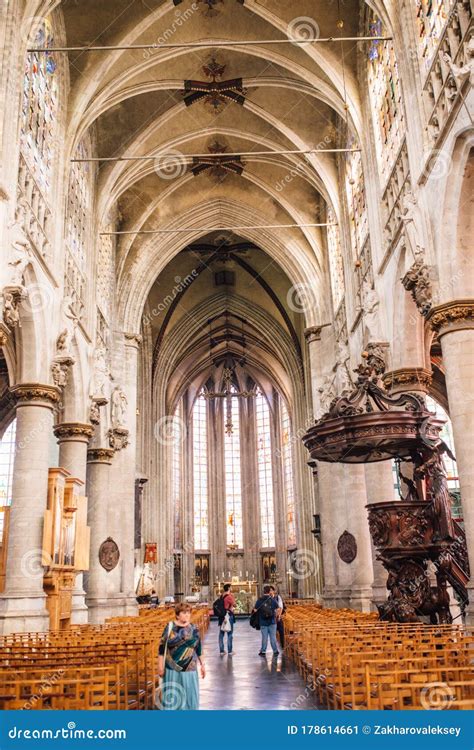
{"x":224,"y":608}
{"x":279,"y":622}
{"x":179,"y":654}
{"x":268,"y":611}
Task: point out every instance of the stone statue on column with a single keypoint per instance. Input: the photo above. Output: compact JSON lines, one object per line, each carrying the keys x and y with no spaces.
{"x":370,"y":309}
{"x":343,"y":375}
{"x":327,"y":393}
{"x":119,"y":404}
{"x":70,"y":321}
{"x":412,"y":220}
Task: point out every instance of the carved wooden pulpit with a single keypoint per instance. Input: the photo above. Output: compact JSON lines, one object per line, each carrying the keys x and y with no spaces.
{"x":66,"y":544}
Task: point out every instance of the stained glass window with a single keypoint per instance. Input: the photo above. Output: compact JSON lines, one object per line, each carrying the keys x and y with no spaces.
{"x":432,"y":17}
{"x":385,"y":97}
{"x":356,"y":201}
{"x":40,"y":110}
{"x":177,"y":443}
{"x":233,"y":479}
{"x":200,"y":479}
{"x":289,"y":484}
{"x":77,"y":216}
{"x":265,"y":473}
{"x":336,"y":268}
{"x":7,"y":454}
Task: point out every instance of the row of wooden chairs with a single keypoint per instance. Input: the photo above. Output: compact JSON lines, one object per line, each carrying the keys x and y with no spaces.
{"x":353,"y":661}
{"x":90,"y":667}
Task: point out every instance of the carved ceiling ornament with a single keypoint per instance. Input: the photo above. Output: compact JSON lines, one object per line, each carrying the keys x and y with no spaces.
{"x":109,"y":554}
{"x":347,"y":547}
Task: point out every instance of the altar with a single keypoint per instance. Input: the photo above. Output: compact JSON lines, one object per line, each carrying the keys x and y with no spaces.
{"x":244,"y":592}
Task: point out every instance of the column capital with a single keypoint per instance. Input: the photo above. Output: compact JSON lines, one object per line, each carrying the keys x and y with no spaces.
{"x":100,"y":455}
{"x":36,"y":393}
{"x":407,"y":379}
{"x":132,"y":339}
{"x":75,"y":431}
{"x":456,"y":315}
{"x":313,"y":334}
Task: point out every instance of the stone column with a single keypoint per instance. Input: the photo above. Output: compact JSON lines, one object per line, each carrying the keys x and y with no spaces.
{"x":362,"y":566}
{"x":73,"y":438}
{"x":99,"y":461}
{"x":23,"y":604}
{"x":454,"y":323}
{"x":379,"y":484}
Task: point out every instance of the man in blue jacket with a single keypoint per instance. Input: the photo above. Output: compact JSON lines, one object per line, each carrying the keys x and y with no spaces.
{"x":268,"y":611}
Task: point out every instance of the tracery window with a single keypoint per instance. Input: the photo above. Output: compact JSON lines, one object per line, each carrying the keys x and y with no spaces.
{"x":40,"y":110}
{"x":289,"y":484}
{"x":233,"y":479}
{"x":336,"y":268}
{"x":200,"y":477}
{"x":432,"y":17}
{"x":7,"y":460}
{"x":385,"y":97}
{"x":77,"y":216}
{"x":265,"y":473}
{"x":356,"y":200}
{"x":177,"y":504}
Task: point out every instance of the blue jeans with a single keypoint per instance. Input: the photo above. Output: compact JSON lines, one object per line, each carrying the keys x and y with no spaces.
{"x":230,"y":636}
{"x":269,"y":630}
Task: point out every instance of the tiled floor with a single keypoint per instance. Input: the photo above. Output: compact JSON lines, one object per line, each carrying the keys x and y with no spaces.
{"x":247,"y":681}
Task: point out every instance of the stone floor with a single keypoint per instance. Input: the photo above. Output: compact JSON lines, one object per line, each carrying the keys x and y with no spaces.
{"x":247,"y":681}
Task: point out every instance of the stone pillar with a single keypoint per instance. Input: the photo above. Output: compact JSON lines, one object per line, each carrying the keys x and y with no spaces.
{"x":73,"y":438}
{"x":23,"y":604}
{"x":454,"y":323}
{"x":99,"y":461}
{"x":379,"y":484}
{"x":362,"y":566}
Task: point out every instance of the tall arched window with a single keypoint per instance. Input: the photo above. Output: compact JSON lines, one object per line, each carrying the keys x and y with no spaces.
{"x":447,"y":436}
{"x":232,"y":469}
{"x":40,"y":110}
{"x":265,"y":473}
{"x":177,"y":443}
{"x":7,"y":459}
{"x":431,"y":17}
{"x":385,"y":97}
{"x":77,"y":224}
{"x":336,"y":267}
{"x":200,"y":478}
{"x":289,"y":484}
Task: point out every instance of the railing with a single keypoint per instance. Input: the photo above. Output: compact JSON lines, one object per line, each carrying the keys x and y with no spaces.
{"x":441,"y":91}
{"x":38,"y":217}
{"x":392,"y":197}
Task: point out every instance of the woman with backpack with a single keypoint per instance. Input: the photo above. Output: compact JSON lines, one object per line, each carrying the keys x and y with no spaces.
{"x":180,"y":653}
{"x":268,"y":611}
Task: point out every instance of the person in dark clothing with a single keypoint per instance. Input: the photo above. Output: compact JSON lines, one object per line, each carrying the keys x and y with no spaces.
{"x":268,"y":612}
{"x":279,"y":624}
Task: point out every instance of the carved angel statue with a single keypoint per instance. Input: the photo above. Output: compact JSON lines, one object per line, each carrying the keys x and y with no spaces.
{"x":11,"y":316}
{"x":370,"y":310}
{"x":461,"y":73}
{"x":412,"y":220}
{"x":101,"y":371}
{"x":21,"y":247}
{"x":343,"y":374}
{"x":119,"y":407}
{"x":70,"y":320}
{"x":327,"y":393}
